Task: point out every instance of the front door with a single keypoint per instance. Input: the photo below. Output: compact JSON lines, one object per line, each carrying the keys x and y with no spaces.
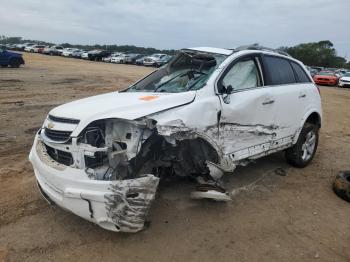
{"x":247,"y":121}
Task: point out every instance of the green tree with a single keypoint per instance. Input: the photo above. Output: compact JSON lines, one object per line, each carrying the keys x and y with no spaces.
{"x":320,"y":53}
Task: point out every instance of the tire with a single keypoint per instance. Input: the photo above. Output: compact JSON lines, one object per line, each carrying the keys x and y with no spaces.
{"x":341,"y":185}
{"x":302,"y":153}
{"x":4,"y":65}
{"x":14,"y":63}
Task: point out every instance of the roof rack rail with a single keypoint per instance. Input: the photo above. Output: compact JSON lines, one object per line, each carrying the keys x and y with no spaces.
{"x":261,"y":48}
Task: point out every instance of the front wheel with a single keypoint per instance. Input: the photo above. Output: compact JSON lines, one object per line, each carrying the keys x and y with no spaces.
{"x":301,"y":154}
{"x":14,"y":63}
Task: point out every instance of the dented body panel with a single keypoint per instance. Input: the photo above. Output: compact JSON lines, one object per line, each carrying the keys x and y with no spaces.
{"x":102,"y":157}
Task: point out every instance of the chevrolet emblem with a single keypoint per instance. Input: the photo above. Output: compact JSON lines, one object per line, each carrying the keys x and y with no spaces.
{"x":50,"y":125}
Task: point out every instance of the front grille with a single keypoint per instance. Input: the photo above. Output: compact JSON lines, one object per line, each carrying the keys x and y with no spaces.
{"x":62,"y":157}
{"x":56,"y":135}
{"x":63,"y":120}
{"x":346,"y":81}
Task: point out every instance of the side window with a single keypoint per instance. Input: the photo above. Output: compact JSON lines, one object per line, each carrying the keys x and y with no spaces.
{"x":280,"y":71}
{"x":302,"y":77}
{"x":243,"y":75}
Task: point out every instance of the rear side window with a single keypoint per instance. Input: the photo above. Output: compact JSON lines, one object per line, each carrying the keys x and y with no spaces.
{"x":279,"y":70}
{"x":300,"y":73}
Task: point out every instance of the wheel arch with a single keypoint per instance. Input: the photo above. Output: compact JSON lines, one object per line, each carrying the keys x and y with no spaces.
{"x":313,"y":117}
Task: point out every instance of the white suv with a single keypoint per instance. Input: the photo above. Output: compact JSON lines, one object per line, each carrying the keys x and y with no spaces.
{"x":201,"y":115}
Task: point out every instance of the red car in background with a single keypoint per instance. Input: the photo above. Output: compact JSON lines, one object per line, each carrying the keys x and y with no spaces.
{"x":326,"y":78}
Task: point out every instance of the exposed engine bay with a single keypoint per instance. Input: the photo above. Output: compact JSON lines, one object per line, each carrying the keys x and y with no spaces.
{"x":118,"y":149}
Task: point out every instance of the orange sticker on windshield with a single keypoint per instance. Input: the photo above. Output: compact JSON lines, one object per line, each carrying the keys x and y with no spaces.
{"x":148,"y":98}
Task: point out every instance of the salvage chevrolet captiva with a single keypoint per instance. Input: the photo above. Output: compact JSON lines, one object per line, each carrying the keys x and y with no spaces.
{"x":201,"y":115}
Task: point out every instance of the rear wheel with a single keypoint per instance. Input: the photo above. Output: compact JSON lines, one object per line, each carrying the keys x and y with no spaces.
{"x":4,"y":65}
{"x":301,"y":154}
{"x":14,"y":63}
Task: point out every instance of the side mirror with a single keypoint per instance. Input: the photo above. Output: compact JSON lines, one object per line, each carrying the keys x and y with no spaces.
{"x":229,"y":90}
{"x":226,"y":94}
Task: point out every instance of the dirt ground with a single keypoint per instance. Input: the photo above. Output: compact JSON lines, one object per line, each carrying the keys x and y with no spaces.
{"x":295,"y":217}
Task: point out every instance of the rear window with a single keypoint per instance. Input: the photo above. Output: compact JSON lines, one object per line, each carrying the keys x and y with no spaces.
{"x":279,"y":70}
{"x":302,"y":77}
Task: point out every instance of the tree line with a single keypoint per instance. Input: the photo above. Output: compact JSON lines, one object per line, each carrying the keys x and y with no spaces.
{"x":320,"y":53}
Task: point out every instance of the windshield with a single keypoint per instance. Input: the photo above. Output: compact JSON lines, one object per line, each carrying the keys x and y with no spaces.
{"x":346,"y":74}
{"x":189,"y":70}
{"x":326,"y":73}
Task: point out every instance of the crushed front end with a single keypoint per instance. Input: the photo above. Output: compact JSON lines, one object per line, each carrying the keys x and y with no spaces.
{"x":109,"y":172}
{"x":89,"y":174}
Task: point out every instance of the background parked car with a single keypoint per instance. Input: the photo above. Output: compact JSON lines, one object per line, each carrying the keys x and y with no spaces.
{"x":68,"y":51}
{"x":154,"y":60}
{"x":326,"y":78}
{"x":53,"y":50}
{"x":97,"y":55}
{"x":85,"y":55}
{"x":120,"y":59}
{"x":28,"y":47}
{"x":108,"y":58}
{"x":77,"y":53}
{"x":344,"y":80}
{"x":37,"y":49}
{"x":131,"y":58}
{"x":165,"y":59}
{"x":312,"y":71}
{"x":10,"y":58}
{"x":20,"y":47}
{"x":140,"y":60}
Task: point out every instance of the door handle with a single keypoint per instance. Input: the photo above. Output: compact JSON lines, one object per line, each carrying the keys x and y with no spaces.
{"x":269,"y":102}
{"x":302,"y":95}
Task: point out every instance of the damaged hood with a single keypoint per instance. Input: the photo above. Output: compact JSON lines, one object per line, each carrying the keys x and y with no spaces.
{"x":125,"y":105}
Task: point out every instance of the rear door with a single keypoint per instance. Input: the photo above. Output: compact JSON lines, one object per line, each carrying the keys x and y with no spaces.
{"x":283,"y":85}
{"x":308,"y":92}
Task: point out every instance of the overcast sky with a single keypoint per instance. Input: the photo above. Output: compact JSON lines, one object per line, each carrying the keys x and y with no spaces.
{"x":176,"y":24}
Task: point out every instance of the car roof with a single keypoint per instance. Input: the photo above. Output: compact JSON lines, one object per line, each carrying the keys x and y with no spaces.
{"x":215,"y":50}
{"x":246,"y":49}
